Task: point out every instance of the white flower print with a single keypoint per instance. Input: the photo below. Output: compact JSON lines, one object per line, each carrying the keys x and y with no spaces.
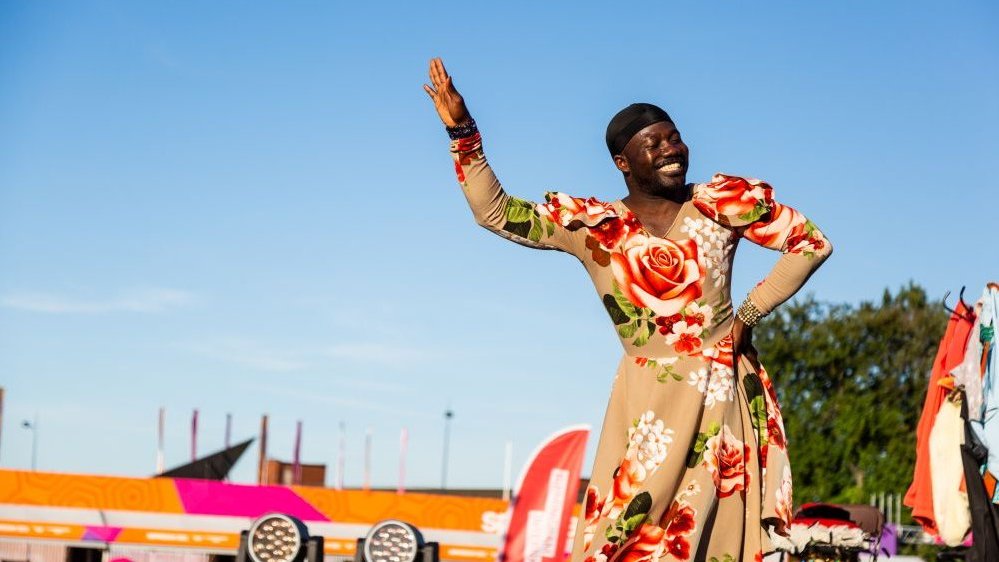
{"x":784,"y":497}
{"x":699,"y":378}
{"x":650,"y":440}
{"x":721,"y":385}
{"x":682,"y":327}
{"x":704,"y":311}
{"x":713,"y":242}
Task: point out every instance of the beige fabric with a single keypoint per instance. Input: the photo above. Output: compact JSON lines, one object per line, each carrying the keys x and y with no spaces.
{"x":691,"y":461}
{"x":950,"y":501}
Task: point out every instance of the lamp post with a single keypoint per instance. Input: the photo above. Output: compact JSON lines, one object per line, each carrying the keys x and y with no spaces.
{"x":448,"y":414}
{"x":33,"y":426}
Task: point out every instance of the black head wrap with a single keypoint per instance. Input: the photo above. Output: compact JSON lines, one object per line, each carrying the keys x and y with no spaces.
{"x":629,"y":121}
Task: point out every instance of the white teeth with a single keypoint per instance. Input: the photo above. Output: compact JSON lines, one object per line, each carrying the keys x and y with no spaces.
{"x":674,"y":167}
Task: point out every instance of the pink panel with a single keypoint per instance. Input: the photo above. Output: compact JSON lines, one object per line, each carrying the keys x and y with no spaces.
{"x":99,"y":533}
{"x":206,"y":497}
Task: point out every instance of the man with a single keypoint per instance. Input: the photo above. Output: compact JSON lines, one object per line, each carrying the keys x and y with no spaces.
{"x":692,"y":460}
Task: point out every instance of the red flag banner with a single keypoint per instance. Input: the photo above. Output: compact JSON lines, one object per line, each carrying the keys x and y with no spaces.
{"x":546,"y":493}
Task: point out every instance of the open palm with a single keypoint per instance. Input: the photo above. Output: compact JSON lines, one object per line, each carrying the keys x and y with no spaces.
{"x":449,"y":103}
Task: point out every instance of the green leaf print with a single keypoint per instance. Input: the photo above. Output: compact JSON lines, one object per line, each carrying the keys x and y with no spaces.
{"x":611,"y":534}
{"x":632,"y":523}
{"x":753,"y":384}
{"x":617,"y":315}
{"x":534,"y":235}
{"x":518,"y":228}
{"x":694,"y":456}
{"x":640,"y":505}
{"x":697,"y":450}
{"x":760,"y":209}
{"x":644,"y":334}
{"x":758,"y":413}
{"x":667,"y":373}
{"x":519,"y":210}
{"x":623,"y":303}
{"x":627,"y":330}
{"x":725,"y":558}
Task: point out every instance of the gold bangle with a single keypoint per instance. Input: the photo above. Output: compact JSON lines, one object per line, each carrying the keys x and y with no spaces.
{"x":749,"y":314}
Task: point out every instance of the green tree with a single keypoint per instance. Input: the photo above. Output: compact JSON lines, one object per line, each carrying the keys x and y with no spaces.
{"x":851,"y":381}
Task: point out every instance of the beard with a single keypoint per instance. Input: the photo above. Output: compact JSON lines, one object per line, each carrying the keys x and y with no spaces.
{"x":653,"y":182}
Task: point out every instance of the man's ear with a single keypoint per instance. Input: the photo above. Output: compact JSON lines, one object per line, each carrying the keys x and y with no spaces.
{"x":621,"y":162}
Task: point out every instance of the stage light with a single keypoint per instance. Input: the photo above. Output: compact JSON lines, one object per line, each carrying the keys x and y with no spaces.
{"x":277,"y":537}
{"x":392,"y":540}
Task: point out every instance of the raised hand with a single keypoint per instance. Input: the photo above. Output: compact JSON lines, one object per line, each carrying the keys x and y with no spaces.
{"x":449,"y":103}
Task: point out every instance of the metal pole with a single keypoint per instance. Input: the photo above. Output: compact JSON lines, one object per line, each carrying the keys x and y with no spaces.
{"x":448,"y":414}
{"x":296,"y":463}
{"x":1,"y":409}
{"x":159,"y":441}
{"x":341,"y":461}
{"x":507,"y":470}
{"x":262,"y":475}
{"x":403,"y":442}
{"x":34,"y":444}
{"x":33,"y":426}
{"x":194,"y":435}
{"x":367,"y":459}
{"x":228,"y":429}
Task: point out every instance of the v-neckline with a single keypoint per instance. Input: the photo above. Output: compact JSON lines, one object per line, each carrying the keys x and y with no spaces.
{"x":665,"y":236}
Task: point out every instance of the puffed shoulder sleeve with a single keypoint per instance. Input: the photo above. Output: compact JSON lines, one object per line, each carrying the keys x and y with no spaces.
{"x":748,"y":206}
{"x":733,"y":201}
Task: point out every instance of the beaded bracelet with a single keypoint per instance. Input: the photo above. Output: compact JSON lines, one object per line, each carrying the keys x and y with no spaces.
{"x":749,"y":314}
{"x":462,"y":131}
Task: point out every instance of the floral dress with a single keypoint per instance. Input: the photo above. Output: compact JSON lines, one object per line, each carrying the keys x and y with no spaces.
{"x":692,"y":460}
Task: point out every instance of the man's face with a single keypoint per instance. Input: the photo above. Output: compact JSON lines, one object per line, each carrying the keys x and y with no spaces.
{"x":655,"y":158}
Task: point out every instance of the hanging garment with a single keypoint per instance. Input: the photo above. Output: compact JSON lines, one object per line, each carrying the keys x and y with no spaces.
{"x":968,"y":374}
{"x":984,"y":513}
{"x":950,"y":353}
{"x":950,"y":501}
{"x":988,"y":428}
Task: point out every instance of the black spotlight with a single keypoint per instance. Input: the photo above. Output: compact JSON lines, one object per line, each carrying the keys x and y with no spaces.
{"x":392,"y":540}
{"x":277,"y":537}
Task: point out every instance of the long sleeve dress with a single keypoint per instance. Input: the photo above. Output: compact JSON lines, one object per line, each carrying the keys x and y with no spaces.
{"x":691,"y":462}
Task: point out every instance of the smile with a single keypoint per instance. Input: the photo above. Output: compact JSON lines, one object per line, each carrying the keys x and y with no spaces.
{"x":671,"y":168}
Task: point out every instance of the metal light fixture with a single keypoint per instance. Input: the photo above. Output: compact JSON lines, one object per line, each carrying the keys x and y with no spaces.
{"x":392,"y":540}
{"x":277,"y":537}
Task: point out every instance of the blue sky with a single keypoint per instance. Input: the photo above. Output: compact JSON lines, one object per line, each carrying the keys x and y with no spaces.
{"x":251,"y":208}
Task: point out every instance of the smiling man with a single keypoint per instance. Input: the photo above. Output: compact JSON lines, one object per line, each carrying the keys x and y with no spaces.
{"x":692,"y":462}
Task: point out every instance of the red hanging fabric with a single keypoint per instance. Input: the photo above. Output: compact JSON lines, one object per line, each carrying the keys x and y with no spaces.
{"x":950,"y":353}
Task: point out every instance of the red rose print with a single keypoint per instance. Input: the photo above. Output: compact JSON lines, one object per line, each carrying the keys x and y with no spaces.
{"x":612,"y":231}
{"x":574,"y":213}
{"x":628,"y":478}
{"x":682,"y":520}
{"x":721,"y":352}
{"x":725,"y":458}
{"x":776,"y":433}
{"x":733,"y":200}
{"x":804,"y":239}
{"x":593,"y":503}
{"x":687,"y":343}
{"x":660,"y":274}
{"x":679,"y":547}
{"x":644,"y":545}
